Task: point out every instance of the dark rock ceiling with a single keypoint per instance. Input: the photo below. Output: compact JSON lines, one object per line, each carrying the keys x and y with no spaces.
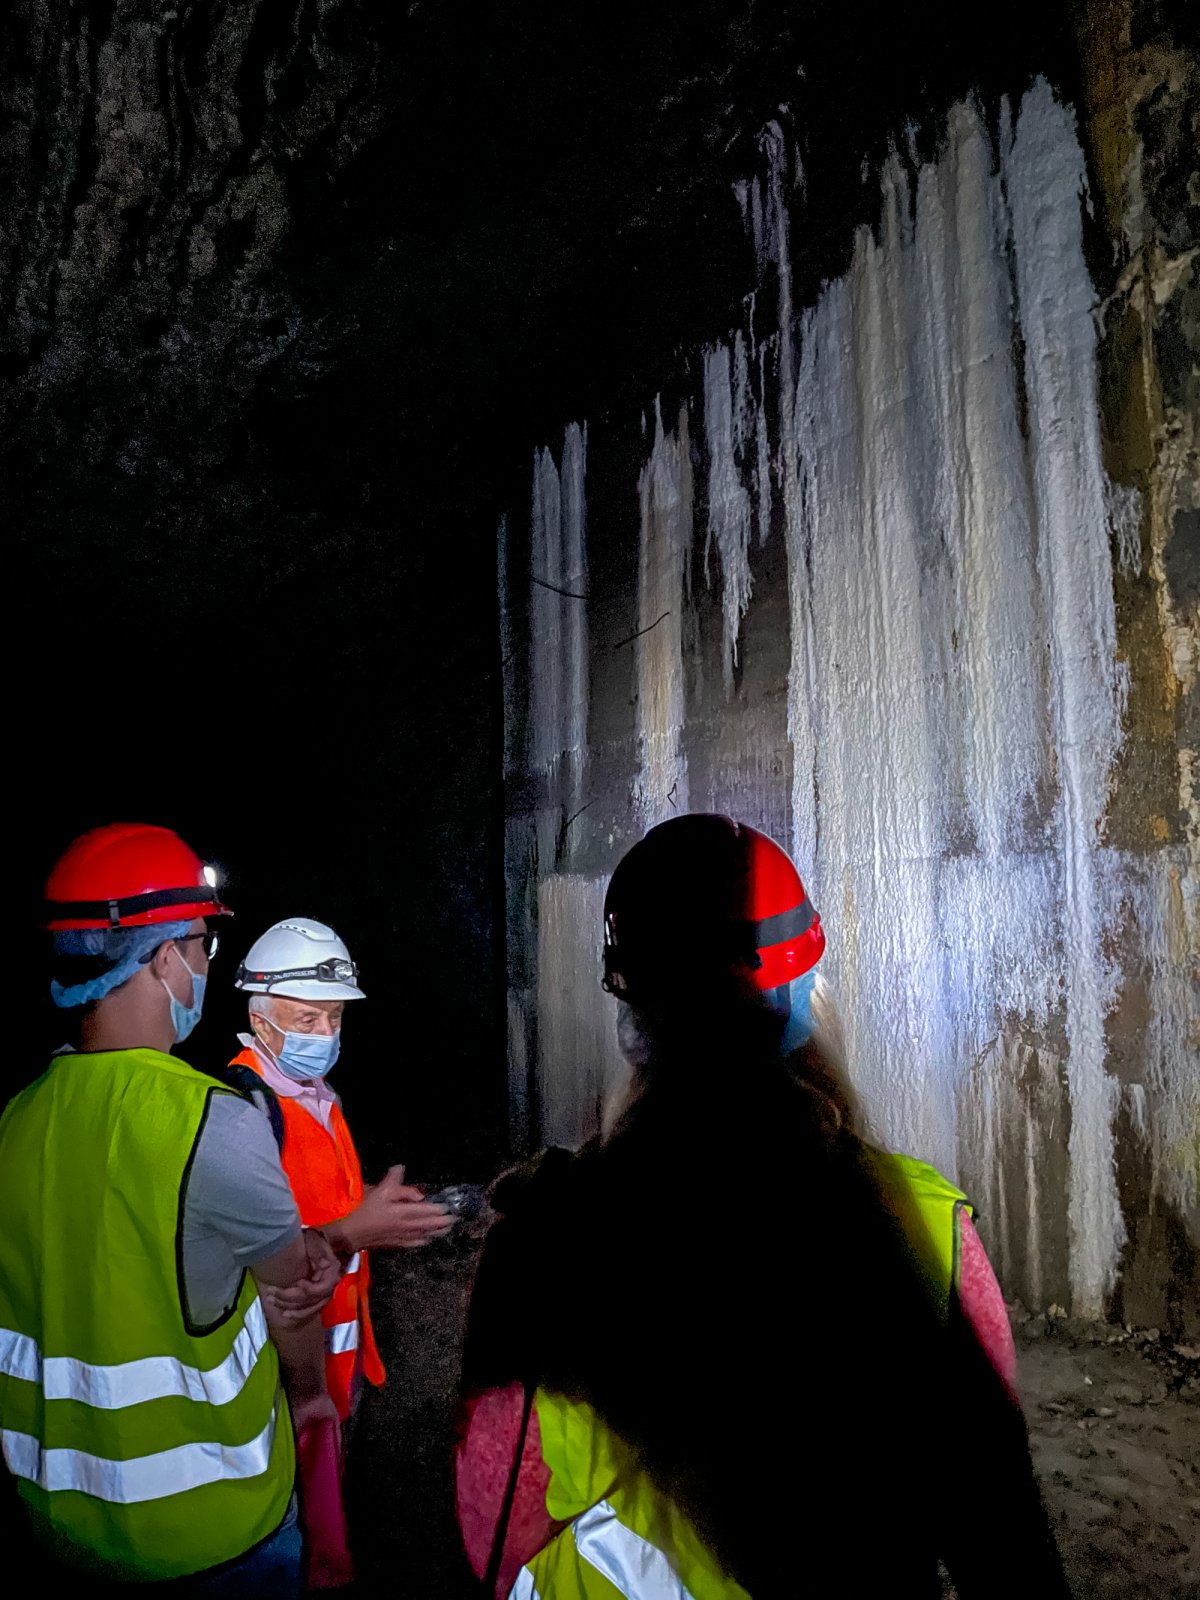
{"x":279,"y":250}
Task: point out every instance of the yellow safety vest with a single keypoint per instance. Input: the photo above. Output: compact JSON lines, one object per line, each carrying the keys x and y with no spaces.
{"x":143,"y":1447}
{"x":613,"y":1548}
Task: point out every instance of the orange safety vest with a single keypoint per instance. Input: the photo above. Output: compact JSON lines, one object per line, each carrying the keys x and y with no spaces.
{"x":323,"y":1169}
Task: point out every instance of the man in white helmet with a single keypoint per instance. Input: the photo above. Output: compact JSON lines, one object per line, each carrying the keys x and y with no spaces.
{"x":299,"y":977}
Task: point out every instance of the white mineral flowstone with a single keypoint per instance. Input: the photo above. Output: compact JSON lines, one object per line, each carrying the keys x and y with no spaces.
{"x":924,"y":439}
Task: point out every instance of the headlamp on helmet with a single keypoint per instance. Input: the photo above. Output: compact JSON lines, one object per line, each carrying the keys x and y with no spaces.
{"x":336,"y":970}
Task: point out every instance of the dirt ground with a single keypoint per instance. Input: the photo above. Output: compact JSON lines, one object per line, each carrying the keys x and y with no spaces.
{"x":1114,"y":1417}
{"x":1115,"y":1422}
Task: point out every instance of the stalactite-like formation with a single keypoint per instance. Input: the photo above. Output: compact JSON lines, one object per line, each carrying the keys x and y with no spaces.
{"x":926,"y":434}
{"x":726,"y":425}
{"x":665,"y":498}
{"x":558,"y":682}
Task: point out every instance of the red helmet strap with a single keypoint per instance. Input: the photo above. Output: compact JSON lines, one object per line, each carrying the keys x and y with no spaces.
{"x":132,"y":905}
{"x":741,"y":941}
{"x":784,"y":925}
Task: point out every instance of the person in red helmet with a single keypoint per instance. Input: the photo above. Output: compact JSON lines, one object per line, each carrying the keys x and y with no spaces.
{"x":141,"y":1412}
{"x":721,"y":1351}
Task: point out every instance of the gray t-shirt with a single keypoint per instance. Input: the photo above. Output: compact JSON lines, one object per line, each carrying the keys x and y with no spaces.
{"x":237,"y":1206}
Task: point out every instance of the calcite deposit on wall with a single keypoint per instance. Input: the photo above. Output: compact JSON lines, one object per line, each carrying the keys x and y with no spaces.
{"x":892,"y":598}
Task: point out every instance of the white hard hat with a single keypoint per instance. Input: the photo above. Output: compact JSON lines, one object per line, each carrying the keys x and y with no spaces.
{"x":301,"y":960}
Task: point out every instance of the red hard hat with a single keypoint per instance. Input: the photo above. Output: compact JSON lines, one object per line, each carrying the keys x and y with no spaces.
{"x":700,"y":895}
{"x":128,"y":875}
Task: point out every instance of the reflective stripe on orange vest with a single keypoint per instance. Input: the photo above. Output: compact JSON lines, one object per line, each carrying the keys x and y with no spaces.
{"x":323,"y":1169}
{"x":341,"y":1337}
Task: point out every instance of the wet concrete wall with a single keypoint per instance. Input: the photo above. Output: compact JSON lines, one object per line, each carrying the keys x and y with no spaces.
{"x":904,"y":572}
{"x":1140,"y":121}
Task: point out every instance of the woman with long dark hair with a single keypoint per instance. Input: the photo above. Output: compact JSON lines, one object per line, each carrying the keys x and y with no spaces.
{"x":732,"y":1348}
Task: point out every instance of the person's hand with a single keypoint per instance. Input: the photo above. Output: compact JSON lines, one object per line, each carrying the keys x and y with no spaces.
{"x":293,"y":1305}
{"x":395,"y":1216}
{"x":312,"y":1409}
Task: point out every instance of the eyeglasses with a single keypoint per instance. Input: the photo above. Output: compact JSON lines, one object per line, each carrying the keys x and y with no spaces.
{"x":211,"y":944}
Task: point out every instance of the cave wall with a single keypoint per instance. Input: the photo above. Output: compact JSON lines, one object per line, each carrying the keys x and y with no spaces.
{"x":1140,"y":120}
{"x":286,"y":284}
{"x":904,"y":571}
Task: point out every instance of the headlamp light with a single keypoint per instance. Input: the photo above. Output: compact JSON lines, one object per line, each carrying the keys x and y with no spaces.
{"x":334,"y":970}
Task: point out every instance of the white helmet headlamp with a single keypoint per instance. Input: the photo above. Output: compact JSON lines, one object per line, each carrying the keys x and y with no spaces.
{"x":333,"y":971}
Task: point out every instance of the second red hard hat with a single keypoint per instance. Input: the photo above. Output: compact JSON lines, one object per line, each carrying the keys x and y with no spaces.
{"x":700,"y":895}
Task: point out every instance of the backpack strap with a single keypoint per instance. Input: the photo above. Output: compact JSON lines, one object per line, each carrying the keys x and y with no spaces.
{"x":501,"y":1535}
{"x":246,"y":1082}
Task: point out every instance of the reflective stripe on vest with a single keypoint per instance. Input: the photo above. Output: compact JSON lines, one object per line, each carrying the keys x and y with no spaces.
{"x":629,"y":1562}
{"x":633,"y":1566}
{"x":141,"y":1445}
{"x":606,"y":1549}
{"x":111,"y":1388}
{"x":341,"y":1337}
{"x":152,"y":1477}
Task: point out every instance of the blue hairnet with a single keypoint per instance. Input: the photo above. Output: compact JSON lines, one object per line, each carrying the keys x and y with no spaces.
{"x":125,"y":949}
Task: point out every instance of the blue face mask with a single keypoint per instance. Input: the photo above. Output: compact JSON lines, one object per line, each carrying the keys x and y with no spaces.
{"x":184,"y":1018}
{"x":304,"y":1056}
{"x":799,"y":1027}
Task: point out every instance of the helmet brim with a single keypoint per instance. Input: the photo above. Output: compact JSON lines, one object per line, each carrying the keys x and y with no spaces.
{"x":782,"y":963}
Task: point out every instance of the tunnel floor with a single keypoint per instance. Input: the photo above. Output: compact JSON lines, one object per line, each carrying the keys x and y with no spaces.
{"x":1114,"y":1419}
